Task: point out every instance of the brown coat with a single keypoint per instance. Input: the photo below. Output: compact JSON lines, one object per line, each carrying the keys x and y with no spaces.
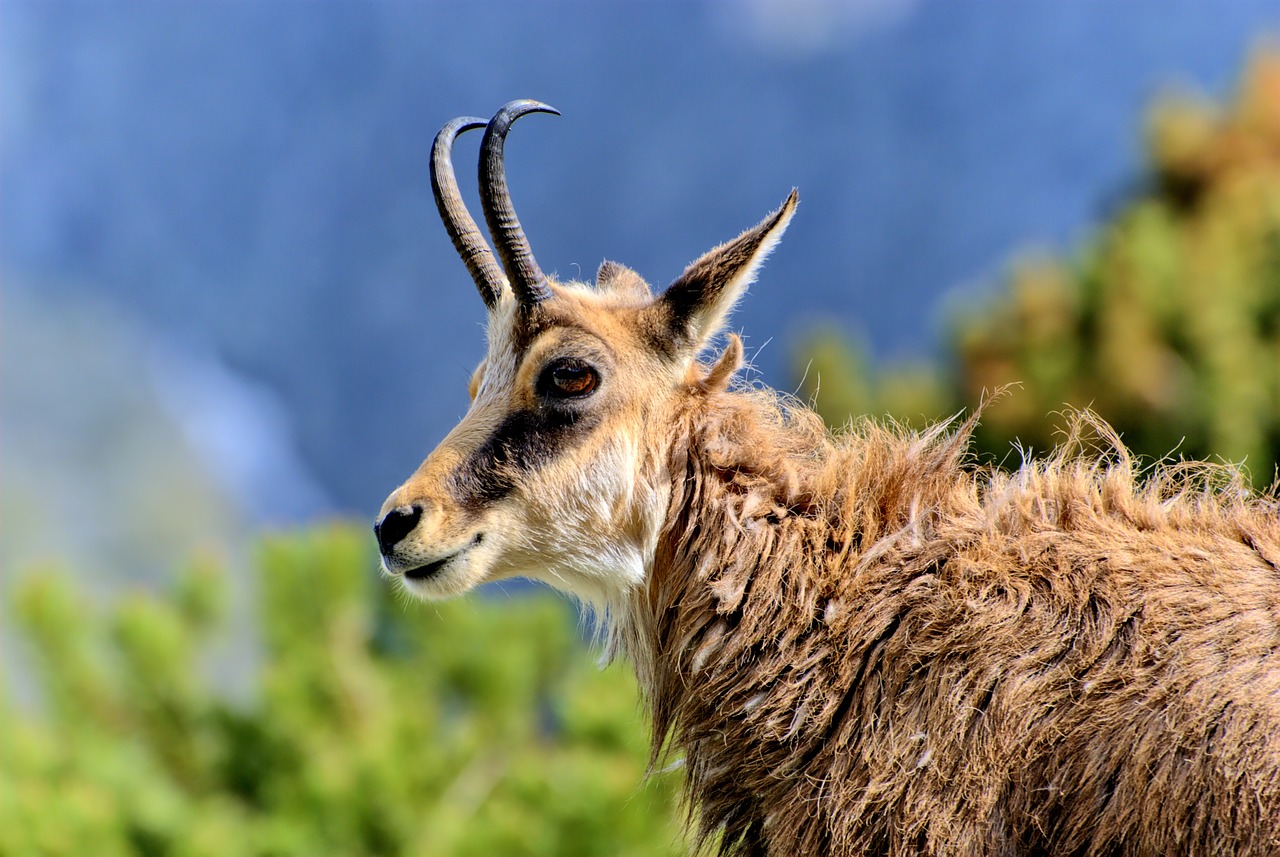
{"x":864,"y":647}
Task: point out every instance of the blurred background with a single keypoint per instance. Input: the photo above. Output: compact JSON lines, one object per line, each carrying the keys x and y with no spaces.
{"x":228,"y":309}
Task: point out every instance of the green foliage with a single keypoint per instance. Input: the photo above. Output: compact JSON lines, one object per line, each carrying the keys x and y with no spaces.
{"x":1167,"y":323}
{"x":376,"y":727}
{"x":842,"y":382}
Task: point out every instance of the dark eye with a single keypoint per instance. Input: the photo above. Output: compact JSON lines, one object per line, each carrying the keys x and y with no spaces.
{"x":568,"y":379}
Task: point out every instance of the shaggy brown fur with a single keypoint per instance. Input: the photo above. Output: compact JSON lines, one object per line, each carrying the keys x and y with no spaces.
{"x":864,"y":646}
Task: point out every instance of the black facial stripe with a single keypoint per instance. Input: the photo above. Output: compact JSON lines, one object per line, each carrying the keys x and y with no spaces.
{"x":525,"y":441}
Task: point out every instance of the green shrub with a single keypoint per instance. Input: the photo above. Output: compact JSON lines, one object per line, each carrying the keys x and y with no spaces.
{"x":376,"y":726}
{"x":1167,"y":322}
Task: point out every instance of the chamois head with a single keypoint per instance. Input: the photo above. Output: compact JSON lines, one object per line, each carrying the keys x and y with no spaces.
{"x":556,"y":471}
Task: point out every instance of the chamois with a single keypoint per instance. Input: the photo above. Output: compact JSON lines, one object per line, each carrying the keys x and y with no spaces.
{"x":861,"y":643}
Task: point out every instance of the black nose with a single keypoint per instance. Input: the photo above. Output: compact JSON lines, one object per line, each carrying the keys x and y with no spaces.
{"x":398,"y":523}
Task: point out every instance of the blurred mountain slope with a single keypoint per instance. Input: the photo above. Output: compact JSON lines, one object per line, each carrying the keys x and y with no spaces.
{"x":96,"y":473}
{"x":124,"y":455}
{"x":253,"y":175}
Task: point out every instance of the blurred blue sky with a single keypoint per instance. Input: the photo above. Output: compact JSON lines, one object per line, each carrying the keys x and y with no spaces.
{"x":244,"y":184}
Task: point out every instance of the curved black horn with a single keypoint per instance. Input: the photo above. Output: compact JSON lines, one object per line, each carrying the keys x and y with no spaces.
{"x":527,"y":280}
{"x":462,"y":229}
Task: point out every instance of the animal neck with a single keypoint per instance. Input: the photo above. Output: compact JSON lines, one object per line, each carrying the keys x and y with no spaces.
{"x":734,"y":564}
{"x":732,"y":634}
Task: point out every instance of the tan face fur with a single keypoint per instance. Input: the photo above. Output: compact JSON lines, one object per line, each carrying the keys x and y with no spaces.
{"x":569,"y":487}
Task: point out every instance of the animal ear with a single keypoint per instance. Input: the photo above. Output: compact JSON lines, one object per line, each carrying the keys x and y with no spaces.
{"x":619,"y":278}
{"x":698,"y":302}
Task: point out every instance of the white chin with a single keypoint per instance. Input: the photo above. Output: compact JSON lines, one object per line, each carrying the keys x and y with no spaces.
{"x":444,"y":582}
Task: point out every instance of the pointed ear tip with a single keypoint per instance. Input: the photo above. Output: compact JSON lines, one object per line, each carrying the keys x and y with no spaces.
{"x":788,"y":207}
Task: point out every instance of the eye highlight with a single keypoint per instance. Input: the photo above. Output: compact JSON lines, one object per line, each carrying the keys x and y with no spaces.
{"x":569,"y":378}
